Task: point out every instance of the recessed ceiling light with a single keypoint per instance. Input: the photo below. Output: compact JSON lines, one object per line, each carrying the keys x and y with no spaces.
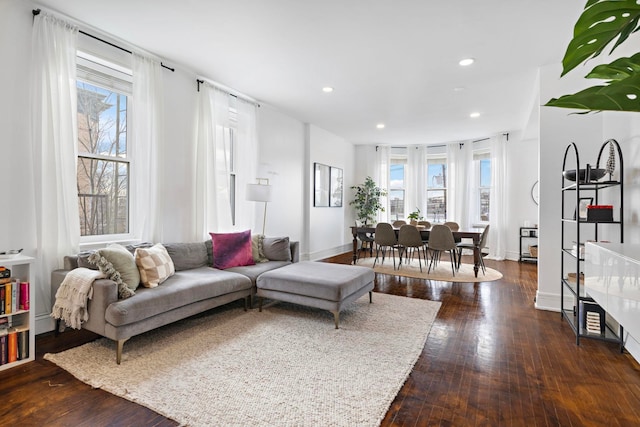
{"x":458,"y":89}
{"x":466,"y":62}
{"x":474,"y":115}
{"x":380,"y":125}
{"x":327,"y":89}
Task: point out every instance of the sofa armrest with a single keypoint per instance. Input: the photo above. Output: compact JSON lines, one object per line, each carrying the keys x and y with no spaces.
{"x":295,"y":251}
{"x":105,"y":291}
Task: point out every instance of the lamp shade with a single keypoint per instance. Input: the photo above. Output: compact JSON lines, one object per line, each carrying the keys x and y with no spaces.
{"x":259,"y":192}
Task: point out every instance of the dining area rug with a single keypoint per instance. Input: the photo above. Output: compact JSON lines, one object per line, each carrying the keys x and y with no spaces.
{"x":284,"y":366}
{"x":442,"y":271}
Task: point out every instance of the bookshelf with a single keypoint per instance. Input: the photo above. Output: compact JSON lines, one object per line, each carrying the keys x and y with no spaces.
{"x":20,"y":320}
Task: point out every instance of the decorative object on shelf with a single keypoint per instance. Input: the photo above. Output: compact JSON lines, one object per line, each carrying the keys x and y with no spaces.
{"x":367,"y":200}
{"x":586,"y":175}
{"x":260,"y":192}
{"x":11,"y":253}
{"x":603,"y":213}
{"x":581,"y":209}
{"x":611,"y":161}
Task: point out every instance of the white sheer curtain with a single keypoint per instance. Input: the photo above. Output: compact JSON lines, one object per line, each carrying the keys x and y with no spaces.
{"x":246,"y":164}
{"x":416,"y":191}
{"x":147,"y":146}
{"x":213,"y":207}
{"x":460,"y":170}
{"x":382,"y":179}
{"x":496,"y":241}
{"x":54,"y":139}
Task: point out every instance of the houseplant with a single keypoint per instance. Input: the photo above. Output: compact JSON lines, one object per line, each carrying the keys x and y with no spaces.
{"x":367,"y":200}
{"x":415,"y":215}
{"x":602,"y":22}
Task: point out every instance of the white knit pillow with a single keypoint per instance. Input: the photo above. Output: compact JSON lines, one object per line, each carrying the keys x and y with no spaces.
{"x":155,"y":265}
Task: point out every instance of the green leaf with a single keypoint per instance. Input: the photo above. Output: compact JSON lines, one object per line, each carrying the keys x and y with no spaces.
{"x":601,"y":22}
{"x":620,"y":93}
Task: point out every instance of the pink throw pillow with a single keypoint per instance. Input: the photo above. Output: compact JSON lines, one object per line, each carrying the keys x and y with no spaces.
{"x":232,"y":249}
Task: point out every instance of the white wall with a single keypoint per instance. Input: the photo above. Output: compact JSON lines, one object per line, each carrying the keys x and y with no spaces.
{"x":281,"y":160}
{"x":328,"y":231}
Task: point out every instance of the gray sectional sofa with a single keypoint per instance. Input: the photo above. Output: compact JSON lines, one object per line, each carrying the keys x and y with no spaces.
{"x":195,"y":287}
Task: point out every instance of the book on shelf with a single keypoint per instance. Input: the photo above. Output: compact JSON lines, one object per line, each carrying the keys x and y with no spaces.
{"x":3,"y":347}
{"x":12,"y":345}
{"x":15,"y":295}
{"x":23,"y":341}
{"x":3,"y":293}
{"x":24,"y":296}
{"x":7,"y":298}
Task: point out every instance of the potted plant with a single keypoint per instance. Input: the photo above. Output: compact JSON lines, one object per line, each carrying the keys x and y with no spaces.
{"x":367,"y":200}
{"x":415,"y":216}
{"x":602,"y":22}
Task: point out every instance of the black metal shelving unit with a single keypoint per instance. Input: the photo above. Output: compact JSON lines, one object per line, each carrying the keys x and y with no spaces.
{"x":528,"y":235}
{"x":572,"y":258}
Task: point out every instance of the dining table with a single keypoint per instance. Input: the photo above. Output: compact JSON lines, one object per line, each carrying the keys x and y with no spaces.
{"x":472,"y":233}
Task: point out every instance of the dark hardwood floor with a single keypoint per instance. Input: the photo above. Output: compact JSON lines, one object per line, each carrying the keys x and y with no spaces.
{"x":491,"y":359}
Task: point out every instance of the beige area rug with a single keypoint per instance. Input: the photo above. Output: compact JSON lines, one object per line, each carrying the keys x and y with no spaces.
{"x":441,"y":273}
{"x":286,"y":366}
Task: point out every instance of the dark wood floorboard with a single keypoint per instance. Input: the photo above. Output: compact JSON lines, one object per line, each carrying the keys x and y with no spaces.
{"x":491,"y":359}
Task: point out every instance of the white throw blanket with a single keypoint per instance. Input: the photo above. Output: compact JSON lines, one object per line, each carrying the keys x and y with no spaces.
{"x":72,"y":296}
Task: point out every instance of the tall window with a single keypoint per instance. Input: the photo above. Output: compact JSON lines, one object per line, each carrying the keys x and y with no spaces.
{"x":103,"y":164}
{"x":436,"y":189}
{"x":483,"y":167}
{"x":396,"y":195}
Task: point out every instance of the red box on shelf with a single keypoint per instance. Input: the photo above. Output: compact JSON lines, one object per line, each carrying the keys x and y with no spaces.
{"x":600,"y":213}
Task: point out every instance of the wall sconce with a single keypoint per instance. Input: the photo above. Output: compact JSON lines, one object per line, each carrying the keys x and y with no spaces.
{"x":260,"y":192}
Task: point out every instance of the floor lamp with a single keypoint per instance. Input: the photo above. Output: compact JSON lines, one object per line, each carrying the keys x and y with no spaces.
{"x":260,"y":192}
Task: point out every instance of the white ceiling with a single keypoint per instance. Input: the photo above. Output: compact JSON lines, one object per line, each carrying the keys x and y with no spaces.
{"x":390,"y":61}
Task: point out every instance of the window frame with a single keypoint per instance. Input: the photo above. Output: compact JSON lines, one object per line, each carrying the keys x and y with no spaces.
{"x":107,"y":75}
{"x":478,"y":157}
{"x":395,"y":159}
{"x":438,"y":158}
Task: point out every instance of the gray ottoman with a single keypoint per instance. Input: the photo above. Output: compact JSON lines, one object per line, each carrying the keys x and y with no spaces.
{"x":316,"y":284}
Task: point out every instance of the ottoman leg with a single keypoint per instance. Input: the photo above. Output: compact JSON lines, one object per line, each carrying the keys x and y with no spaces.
{"x":336,"y":317}
{"x":370,"y":297}
{"x":260,"y":304}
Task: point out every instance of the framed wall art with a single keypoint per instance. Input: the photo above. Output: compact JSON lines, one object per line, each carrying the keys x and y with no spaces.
{"x":321,"y":185}
{"x":335,"y":187}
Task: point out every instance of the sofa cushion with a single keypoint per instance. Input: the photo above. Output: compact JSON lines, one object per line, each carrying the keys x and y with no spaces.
{"x":155,"y":265}
{"x":257,"y":248}
{"x":83,"y":260}
{"x":232,"y":249}
{"x":253,"y":271}
{"x":117,"y":264}
{"x":183,"y":288}
{"x":186,"y":256}
{"x":277,"y":248}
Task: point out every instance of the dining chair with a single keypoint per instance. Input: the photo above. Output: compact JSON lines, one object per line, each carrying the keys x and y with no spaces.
{"x":399,"y":223}
{"x":386,"y":240}
{"x":481,"y":245}
{"x":454,"y":226}
{"x":409,"y":239}
{"x":366,"y":240}
{"x":441,"y":239}
{"x":425,"y":224}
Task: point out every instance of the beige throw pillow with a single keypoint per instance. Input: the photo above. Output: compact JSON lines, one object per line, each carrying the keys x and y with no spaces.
{"x":155,"y":265}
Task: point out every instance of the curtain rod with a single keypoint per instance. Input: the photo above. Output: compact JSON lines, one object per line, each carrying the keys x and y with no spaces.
{"x":228,"y":92}
{"x":37,"y":12}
